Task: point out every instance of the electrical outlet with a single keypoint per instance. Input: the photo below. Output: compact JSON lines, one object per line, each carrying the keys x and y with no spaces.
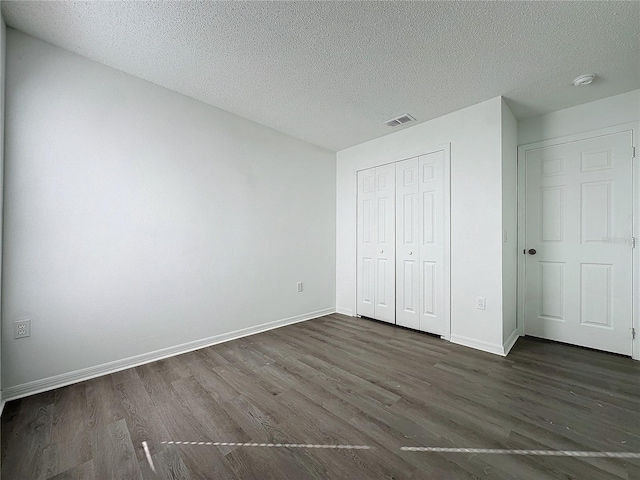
{"x":481,"y":303}
{"x":299,"y":287}
{"x":22,"y":328}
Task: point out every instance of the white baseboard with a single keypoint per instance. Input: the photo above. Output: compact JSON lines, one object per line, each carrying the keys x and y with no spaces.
{"x":57,"y":381}
{"x":494,"y":348}
{"x":510,"y":342}
{"x":345,"y":311}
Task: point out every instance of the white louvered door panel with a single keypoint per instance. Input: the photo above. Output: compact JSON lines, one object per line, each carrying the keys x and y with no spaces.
{"x":407,"y":245}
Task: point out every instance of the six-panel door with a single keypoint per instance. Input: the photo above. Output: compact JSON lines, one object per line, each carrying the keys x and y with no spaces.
{"x":376,"y":243}
{"x":578,"y":268}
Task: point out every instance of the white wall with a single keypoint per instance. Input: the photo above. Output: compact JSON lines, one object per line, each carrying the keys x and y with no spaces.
{"x":623,"y":110}
{"x":509,"y":225}
{"x":138,"y":219}
{"x":3,"y":38}
{"x":476,"y":214}
{"x":607,"y":112}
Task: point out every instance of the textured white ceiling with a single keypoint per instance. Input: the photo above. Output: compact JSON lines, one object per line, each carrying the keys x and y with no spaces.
{"x":332,"y":72}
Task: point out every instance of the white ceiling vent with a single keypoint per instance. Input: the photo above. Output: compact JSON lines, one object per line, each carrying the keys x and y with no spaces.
{"x":401,"y":120}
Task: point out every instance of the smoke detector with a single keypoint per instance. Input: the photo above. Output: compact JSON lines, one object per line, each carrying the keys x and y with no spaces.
{"x":401,"y":120}
{"x":584,"y":79}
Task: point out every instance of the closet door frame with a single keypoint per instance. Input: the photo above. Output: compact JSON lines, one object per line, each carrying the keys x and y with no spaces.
{"x":446,"y":149}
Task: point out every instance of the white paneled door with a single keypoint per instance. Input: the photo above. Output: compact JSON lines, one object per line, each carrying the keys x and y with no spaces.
{"x":578,"y":269}
{"x":432,"y":211}
{"x":407,"y":245}
{"x":376,"y":243}
{"x":385,"y":253}
{"x":366,"y":242}
{"x":421,"y":284}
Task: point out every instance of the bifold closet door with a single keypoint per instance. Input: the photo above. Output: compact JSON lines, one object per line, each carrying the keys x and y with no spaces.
{"x":365,"y":271}
{"x":407,"y":245}
{"x":432,"y":208}
{"x":385,"y":252}
{"x":402,"y":243}
{"x":376,"y":243}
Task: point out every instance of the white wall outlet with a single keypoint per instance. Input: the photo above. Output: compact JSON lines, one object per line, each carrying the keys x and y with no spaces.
{"x":22,"y":328}
{"x":299,"y":287}
{"x":481,"y":303}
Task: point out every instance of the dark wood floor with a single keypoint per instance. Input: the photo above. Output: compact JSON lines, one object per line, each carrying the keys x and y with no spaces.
{"x":336,"y":380}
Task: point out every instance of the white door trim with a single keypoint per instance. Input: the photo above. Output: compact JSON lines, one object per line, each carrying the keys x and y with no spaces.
{"x":446,"y":147}
{"x":634,"y":128}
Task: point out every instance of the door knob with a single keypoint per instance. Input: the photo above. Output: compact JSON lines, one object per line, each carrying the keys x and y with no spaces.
{"x":532,"y":251}
{"x":410,"y":253}
{"x":381,"y":251}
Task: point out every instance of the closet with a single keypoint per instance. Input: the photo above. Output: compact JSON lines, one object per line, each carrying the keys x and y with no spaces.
{"x":377,"y":243}
{"x":403,"y":242}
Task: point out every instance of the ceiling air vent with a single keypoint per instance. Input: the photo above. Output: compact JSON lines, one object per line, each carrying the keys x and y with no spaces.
{"x":401,"y":120}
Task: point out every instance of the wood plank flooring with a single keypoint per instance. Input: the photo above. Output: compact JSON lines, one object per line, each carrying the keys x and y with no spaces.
{"x":336,"y":380}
